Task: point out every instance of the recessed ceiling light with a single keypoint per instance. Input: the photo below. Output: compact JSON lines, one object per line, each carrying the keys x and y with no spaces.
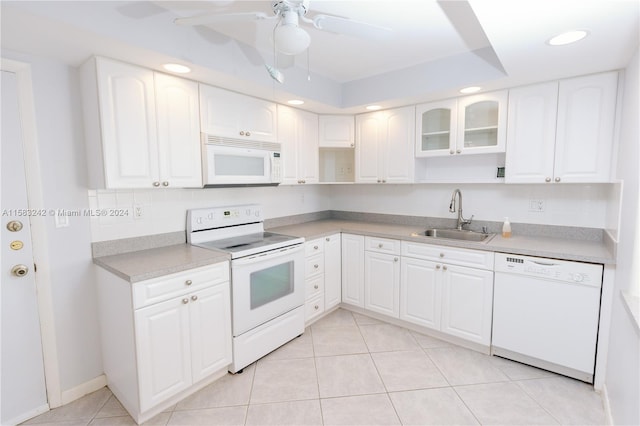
{"x":295,"y":102}
{"x":567,"y":37}
{"x":180,"y":69}
{"x":470,"y":89}
{"x":373,"y":107}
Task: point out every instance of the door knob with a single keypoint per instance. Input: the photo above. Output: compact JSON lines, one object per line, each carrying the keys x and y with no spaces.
{"x":20,"y":270}
{"x":14,"y":226}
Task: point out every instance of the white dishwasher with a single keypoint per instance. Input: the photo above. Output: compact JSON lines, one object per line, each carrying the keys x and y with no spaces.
{"x":546,"y":313}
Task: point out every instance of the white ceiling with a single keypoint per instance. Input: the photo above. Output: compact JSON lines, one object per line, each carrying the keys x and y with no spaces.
{"x":435,"y":48}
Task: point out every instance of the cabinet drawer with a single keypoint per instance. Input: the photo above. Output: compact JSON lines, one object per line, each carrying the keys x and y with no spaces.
{"x":314,"y":265}
{"x":166,"y":287}
{"x":382,"y":245}
{"x":453,"y":256}
{"x":314,"y":287}
{"x":314,"y":247}
{"x":313,"y":308}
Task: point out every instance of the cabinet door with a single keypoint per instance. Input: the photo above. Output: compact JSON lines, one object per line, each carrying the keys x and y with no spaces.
{"x":229,"y":114}
{"x":436,"y":127}
{"x":332,"y":273}
{"x":353,"y":269}
{"x":369,"y":145}
{"x":382,"y":283}
{"x":584,"y":139}
{"x":420,"y":292}
{"x":298,"y":134}
{"x":210,"y":324}
{"x":398,"y":159}
{"x":180,"y":156}
{"x":163,"y":350}
{"x":482,"y":123}
{"x":336,"y":131}
{"x":531,"y":133}
{"x":128,"y":119}
{"x":467,"y":299}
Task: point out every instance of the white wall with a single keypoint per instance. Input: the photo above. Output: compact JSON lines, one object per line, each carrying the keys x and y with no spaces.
{"x":623,"y":368}
{"x":165,"y":210}
{"x":63,"y":171}
{"x":567,"y":205}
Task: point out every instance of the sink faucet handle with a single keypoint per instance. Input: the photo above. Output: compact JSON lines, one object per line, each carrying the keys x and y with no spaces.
{"x":485,"y":230}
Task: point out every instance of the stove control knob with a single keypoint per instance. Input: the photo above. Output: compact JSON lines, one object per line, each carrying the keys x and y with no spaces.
{"x":199,"y":221}
{"x":578,"y":278}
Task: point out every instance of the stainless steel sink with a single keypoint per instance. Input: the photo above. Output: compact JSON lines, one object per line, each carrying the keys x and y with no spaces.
{"x":454,"y":234}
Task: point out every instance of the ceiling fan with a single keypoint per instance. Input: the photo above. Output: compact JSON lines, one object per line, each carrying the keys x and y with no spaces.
{"x":289,"y":38}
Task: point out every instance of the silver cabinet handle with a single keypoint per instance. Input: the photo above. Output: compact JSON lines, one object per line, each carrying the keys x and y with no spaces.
{"x":185,"y":301}
{"x":156,"y":184}
{"x":248,"y":133}
{"x":241,"y":132}
{"x":451,"y":151}
{"x":316,"y":286}
{"x":315,"y":247}
{"x":315,"y":266}
{"x":165,"y":183}
{"x":395,"y":259}
{"x":353,"y":145}
{"x":316,"y":307}
{"x":458,"y":151}
{"x":557,"y":179}
{"x":548,"y":179}
{"x":444,"y":268}
{"x":437,"y":266}
{"x":327,"y":239}
{"x":384,"y":181}
{"x":188,"y":282}
{"x":380,"y":245}
{"x":194,"y":297}
{"x":441,"y":254}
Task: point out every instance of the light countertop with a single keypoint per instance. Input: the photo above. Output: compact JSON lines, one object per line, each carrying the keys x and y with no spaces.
{"x":156,"y":262}
{"x":557,"y":248}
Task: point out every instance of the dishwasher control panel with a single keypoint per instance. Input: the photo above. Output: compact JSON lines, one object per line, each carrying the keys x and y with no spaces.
{"x":560,"y":270}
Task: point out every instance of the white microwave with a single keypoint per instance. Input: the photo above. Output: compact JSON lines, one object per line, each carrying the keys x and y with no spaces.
{"x":233,"y":162}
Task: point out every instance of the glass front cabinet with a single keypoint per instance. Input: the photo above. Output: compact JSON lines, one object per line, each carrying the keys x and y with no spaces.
{"x":470,"y":125}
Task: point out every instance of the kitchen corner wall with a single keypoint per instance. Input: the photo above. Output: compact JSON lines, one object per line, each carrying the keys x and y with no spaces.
{"x":164,"y":210}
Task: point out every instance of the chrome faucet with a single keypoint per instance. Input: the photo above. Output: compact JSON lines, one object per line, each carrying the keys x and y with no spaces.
{"x":452,"y":208}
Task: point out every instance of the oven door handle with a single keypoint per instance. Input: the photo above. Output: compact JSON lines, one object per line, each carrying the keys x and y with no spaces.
{"x":269,"y":255}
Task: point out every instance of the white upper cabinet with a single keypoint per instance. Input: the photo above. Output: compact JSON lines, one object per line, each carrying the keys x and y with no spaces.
{"x":584,"y":134}
{"x":336,"y":131}
{"x":436,"y":127}
{"x":469,"y":125}
{"x":141,"y":127}
{"x":384,"y":146}
{"x":562,"y":132}
{"x":232,"y":115}
{"x":178,"y":131}
{"x":298,"y":134}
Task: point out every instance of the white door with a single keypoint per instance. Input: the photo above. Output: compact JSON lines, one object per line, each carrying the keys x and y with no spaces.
{"x":163,"y":350}
{"x":128,"y":114}
{"x":180,"y":157}
{"x":353,"y":269}
{"x":210,"y":322}
{"x":23,"y":387}
{"x":308,"y":156}
{"x":288,"y":137}
{"x":467,"y":301}
{"x":420,"y":292}
{"x":382,"y":283}
{"x":531,"y":133}
{"x":369,"y":143}
{"x":398,"y":156}
{"x":332,"y":276}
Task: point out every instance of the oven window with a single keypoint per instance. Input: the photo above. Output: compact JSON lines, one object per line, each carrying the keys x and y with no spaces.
{"x":271,"y":284}
{"x":238,"y":165}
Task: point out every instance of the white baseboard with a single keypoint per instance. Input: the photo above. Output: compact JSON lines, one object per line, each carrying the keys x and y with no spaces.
{"x":607,"y":407}
{"x":26,"y":416}
{"x":83,"y":389}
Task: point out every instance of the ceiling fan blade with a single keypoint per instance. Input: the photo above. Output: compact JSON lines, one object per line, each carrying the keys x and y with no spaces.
{"x":338,"y":25}
{"x":210,"y":18}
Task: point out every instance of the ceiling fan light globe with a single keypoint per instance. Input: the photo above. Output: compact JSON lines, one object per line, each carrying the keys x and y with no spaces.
{"x":291,"y":40}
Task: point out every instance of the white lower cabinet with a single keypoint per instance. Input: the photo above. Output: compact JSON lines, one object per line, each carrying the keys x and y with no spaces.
{"x":163,"y":338}
{"x":382,"y":276}
{"x":421,"y":292}
{"x":353,"y":270}
{"x":322,"y":272}
{"x":439,"y":293}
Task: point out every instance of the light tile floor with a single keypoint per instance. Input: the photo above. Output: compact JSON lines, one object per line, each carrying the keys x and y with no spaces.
{"x":349,"y":369}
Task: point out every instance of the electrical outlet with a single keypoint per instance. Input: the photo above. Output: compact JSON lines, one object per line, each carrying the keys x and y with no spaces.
{"x":536,"y":206}
{"x":138,"y":211}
